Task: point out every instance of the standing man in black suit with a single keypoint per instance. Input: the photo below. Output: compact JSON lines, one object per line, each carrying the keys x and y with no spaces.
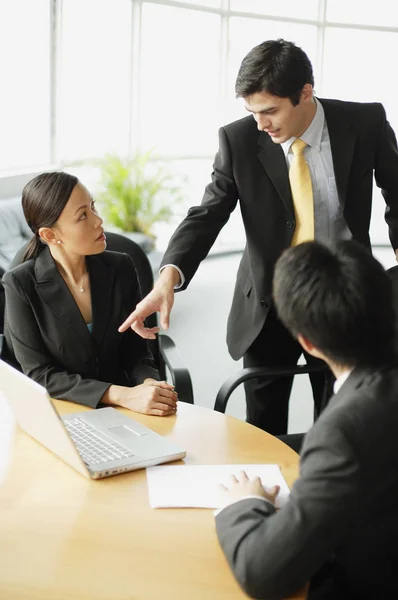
{"x":302,"y":169}
{"x":340,"y":524}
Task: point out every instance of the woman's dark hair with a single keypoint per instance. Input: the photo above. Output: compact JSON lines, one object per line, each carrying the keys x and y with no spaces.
{"x":339,"y":298}
{"x":43,"y":200}
{"x":277,"y":67}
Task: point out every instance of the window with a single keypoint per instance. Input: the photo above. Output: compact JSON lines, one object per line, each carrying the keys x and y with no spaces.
{"x":196,"y":175}
{"x":384,"y":12}
{"x":94,"y":78}
{"x":205,"y":3}
{"x":304,"y":9}
{"x":180,"y":75}
{"x":366,"y":80}
{"x":25,"y":83}
{"x":82,"y":78}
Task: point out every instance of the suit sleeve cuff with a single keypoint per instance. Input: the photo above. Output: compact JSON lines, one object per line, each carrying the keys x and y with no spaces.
{"x":182,"y":278}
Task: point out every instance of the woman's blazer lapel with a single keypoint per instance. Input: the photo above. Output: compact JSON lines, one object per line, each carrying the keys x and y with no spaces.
{"x":56,"y":296}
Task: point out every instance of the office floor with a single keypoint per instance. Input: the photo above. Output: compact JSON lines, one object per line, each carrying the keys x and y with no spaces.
{"x":198,"y":326}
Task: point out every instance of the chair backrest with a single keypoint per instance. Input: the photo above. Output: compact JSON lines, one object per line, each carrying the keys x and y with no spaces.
{"x":14,"y":230}
{"x":120,"y":243}
{"x":2,"y":307}
{"x":393,"y":273}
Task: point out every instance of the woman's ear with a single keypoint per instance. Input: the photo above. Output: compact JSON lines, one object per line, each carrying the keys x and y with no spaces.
{"x":48,"y":235}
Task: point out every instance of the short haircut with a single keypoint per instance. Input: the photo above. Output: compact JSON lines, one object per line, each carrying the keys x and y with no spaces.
{"x":340,"y":298}
{"x":277,"y":67}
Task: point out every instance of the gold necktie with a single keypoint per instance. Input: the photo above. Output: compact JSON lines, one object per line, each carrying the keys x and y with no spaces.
{"x":303,"y":201}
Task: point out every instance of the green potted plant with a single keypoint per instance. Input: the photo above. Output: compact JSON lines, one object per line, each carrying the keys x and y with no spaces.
{"x":135,"y":193}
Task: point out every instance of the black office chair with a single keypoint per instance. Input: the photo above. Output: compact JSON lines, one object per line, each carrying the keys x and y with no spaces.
{"x":164,"y":351}
{"x":2,"y":307}
{"x":295,"y":441}
{"x":243,"y":375}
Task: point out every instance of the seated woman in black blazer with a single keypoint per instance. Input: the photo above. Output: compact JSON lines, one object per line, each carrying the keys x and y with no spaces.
{"x":65,"y":302}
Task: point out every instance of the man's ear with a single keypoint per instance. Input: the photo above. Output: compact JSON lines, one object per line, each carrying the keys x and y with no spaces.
{"x":47,"y":235}
{"x":307,"y":93}
{"x":309,"y":347}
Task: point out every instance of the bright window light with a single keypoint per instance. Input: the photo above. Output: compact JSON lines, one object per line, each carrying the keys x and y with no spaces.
{"x":94,"y":77}
{"x":25,"y":83}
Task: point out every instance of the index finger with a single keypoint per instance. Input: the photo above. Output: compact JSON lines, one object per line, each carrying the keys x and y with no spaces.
{"x":129,"y":321}
{"x":137,"y":324}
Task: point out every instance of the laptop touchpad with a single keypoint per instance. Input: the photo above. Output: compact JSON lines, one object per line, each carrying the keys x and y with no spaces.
{"x":125,"y":432}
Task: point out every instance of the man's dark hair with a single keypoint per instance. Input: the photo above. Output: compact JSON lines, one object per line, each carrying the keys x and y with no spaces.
{"x":277,"y":67}
{"x":339,"y":298}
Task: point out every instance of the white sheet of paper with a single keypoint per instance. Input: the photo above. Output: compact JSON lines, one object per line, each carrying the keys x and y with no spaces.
{"x":196,"y":486}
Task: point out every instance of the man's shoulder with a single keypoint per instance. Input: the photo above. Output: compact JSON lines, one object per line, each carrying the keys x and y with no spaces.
{"x":244,"y":126}
{"x":365,"y":407}
{"x":355,"y":110}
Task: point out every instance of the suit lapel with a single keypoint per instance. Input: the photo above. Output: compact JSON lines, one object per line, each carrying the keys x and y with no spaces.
{"x":102,"y":284}
{"x":342,"y":141}
{"x":56,"y":295}
{"x":273,"y":160}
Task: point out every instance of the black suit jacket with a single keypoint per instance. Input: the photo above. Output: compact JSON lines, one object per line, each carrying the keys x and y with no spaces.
{"x":250,"y":168}
{"x":340,"y":525}
{"x":46,"y":332}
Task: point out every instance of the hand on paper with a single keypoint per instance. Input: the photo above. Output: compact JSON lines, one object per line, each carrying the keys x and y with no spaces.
{"x":240,"y":486}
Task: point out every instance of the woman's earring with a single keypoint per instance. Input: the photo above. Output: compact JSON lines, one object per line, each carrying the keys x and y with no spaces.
{"x":58,"y":241}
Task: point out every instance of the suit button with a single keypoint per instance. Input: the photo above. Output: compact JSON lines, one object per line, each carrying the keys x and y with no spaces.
{"x":289,"y":224}
{"x":264,"y":303}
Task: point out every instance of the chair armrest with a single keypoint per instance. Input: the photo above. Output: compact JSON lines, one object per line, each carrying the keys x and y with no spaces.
{"x":259,"y":372}
{"x":179,"y":373}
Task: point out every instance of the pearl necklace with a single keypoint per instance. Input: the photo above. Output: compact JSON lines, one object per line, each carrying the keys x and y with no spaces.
{"x":81,"y":288}
{"x":76,"y":286}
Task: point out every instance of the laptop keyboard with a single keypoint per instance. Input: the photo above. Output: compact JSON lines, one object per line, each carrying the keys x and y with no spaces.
{"x":93,"y":446}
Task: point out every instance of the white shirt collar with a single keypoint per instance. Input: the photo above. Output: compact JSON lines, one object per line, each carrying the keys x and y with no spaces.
{"x":341,"y":380}
{"x":312,"y":136}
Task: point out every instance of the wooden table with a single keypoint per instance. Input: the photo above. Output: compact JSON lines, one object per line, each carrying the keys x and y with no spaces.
{"x":63,"y":537}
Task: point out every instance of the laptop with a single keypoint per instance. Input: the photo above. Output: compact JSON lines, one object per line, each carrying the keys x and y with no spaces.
{"x":97,"y":443}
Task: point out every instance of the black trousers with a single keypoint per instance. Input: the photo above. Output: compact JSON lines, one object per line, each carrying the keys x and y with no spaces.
{"x":267,"y":400}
